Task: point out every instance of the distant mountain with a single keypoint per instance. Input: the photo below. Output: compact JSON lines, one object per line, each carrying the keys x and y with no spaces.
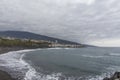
{"x":29,"y":35}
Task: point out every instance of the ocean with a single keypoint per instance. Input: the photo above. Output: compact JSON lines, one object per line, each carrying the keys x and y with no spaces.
{"x":90,"y":63}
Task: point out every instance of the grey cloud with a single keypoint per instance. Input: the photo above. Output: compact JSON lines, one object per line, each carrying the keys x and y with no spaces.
{"x":76,"y":20}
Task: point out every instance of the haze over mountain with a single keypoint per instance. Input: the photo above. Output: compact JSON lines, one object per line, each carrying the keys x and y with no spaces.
{"x":85,"y":21}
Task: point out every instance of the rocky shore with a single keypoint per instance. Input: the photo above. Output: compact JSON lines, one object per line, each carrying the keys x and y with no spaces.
{"x":116,"y":76}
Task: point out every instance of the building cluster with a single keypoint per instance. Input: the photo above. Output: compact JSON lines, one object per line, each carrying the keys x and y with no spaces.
{"x":52,"y":44}
{"x":57,"y":44}
{"x":65,"y":45}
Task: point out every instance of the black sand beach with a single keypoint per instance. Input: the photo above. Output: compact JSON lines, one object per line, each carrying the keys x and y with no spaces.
{"x":7,"y":49}
{"x":4,"y":75}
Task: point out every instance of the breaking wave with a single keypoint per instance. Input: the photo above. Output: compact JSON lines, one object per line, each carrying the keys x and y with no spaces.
{"x":20,"y":69}
{"x":90,"y":56}
{"x":114,"y":54}
{"x":13,"y":63}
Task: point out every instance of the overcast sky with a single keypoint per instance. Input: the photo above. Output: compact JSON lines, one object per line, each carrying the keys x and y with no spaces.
{"x":85,"y":21}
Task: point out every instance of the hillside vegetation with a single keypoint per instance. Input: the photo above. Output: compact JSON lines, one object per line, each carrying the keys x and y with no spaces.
{"x":23,"y":43}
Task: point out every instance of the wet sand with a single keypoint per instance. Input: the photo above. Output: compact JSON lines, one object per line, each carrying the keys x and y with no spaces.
{"x":7,"y":49}
{"x":4,"y":75}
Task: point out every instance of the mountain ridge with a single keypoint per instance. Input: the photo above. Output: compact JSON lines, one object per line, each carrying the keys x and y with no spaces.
{"x":30,"y":35}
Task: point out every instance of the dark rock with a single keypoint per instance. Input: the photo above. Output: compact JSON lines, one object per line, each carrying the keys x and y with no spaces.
{"x":106,"y":78}
{"x":114,"y":77}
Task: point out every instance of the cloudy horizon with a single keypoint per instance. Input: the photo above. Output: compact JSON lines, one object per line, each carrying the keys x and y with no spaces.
{"x":83,"y":21}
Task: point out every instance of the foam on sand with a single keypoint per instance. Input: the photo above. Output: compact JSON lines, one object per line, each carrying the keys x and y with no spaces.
{"x":14,"y":62}
{"x":18,"y":66}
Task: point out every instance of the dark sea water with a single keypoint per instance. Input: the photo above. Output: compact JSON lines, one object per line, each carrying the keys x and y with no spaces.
{"x":90,"y":63}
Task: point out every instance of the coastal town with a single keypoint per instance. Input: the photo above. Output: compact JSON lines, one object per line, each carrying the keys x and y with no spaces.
{"x":8,"y":44}
{"x":33,"y":43}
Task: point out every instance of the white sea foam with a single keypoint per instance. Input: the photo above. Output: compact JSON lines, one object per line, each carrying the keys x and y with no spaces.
{"x":32,"y":74}
{"x":14,"y":61}
{"x":12,"y":57}
{"x":110,"y":71}
{"x":97,"y":77}
{"x":114,"y":54}
{"x":102,"y":56}
{"x":90,"y":56}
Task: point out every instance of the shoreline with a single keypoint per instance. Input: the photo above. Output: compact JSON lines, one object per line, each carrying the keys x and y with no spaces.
{"x":3,"y":74}
{"x":4,"y":50}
